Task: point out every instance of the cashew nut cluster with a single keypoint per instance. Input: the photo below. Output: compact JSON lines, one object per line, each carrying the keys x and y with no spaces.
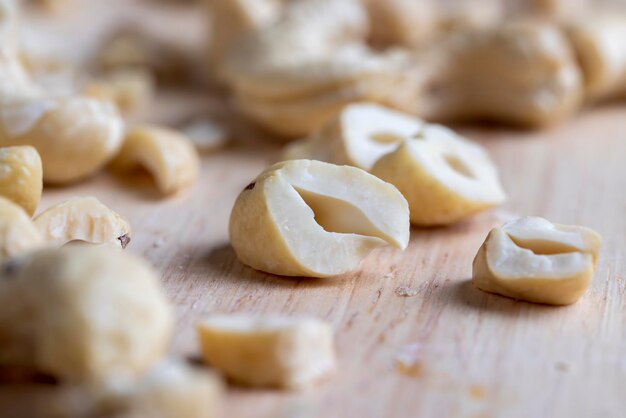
{"x":83,"y":219}
{"x":82,"y":314}
{"x":270,"y":350}
{"x":75,"y":136}
{"x":298,"y":72}
{"x":18,"y":233}
{"x":535,"y":260}
{"x":167,"y":155}
{"x":310,"y":218}
{"x":601,"y":54}
{"x":444,"y":177}
{"x":21,"y":176}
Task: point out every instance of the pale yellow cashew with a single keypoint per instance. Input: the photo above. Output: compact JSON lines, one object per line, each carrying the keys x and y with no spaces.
{"x":75,"y":136}
{"x":83,"y":314}
{"x":519,"y":73}
{"x":21,"y":176}
{"x":167,"y":155}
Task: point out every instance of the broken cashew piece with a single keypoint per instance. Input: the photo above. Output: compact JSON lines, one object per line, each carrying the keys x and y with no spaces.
{"x":601,"y":54}
{"x":167,"y":155}
{"x":18,"y":234}
{"x":21,"y":176}
{"x":83,"y":314}
{"x":75,"y":136}
{"x":518,"y":73}
{"x":358,"y":136}
{"x":444,"y":177}
{"x":535,"y":260}
{"x":270,"y":350}
{"x":309,"y":218}
{"x":83,"y":219}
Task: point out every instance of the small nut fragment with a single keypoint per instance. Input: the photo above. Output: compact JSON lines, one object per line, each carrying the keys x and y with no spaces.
{"x":21,"y":176}
{"x":82,"y":314}
{"x":268,"y":351}
{"x":129,"y":90}
{"x":207,"y":135}
{"x":84,"y":219}
{"x":18,"y":234}
{"x":171,"y":389}
{"x":167,"y":155}
{"x":358,"y":136}
{"x":444,"y":177}
{"x":534,"y":260}
{"x":309,"y":218}
{"x":601,"y":54}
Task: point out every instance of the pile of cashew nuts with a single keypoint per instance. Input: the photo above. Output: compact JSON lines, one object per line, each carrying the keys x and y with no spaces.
{"x":293,"y":64}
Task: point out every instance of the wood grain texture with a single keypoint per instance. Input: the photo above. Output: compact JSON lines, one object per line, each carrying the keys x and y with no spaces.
{"x":444,"y":349}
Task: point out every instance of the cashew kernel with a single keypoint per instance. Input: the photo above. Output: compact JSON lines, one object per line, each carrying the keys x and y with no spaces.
{"x":21,"y":176}
{"x":18,"y":233}
{"x":166,"y":154}
{"x":269,"y":350}
{"x":82,"y":314}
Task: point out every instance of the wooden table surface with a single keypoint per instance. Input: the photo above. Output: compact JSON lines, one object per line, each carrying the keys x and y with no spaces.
{"x":414,"y":338}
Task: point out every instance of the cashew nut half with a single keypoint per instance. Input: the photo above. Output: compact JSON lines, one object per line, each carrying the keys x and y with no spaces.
{"x":535,"y":260}
{"x":82,"y":314}
{"x":309,"y":218}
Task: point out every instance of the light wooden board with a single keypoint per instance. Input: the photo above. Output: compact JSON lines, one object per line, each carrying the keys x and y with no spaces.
{"x":464,"y":353}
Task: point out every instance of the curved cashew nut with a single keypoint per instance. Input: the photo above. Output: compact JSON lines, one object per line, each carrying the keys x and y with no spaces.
{"x":83,"y":314}
{"x":75,"y":136}
{"x":600,"y":49}
{"x":168,"y":155}
{"x":521,"y":73}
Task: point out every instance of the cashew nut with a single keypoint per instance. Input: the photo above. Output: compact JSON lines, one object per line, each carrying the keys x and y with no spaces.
{"x":82,"y":314}
{"x":309,"y":218}
{"x":18,"y":234}
{"x":268,"y":351}
{"x":21,"y":176}
{"x":534,"y":260}
{"x":75,"y":136}
{"x":443,"y":177}
{"x":167,"y":155}
{"x":521,"y":73}
{"x":83,"y":219}
{"x":600,"y":49}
